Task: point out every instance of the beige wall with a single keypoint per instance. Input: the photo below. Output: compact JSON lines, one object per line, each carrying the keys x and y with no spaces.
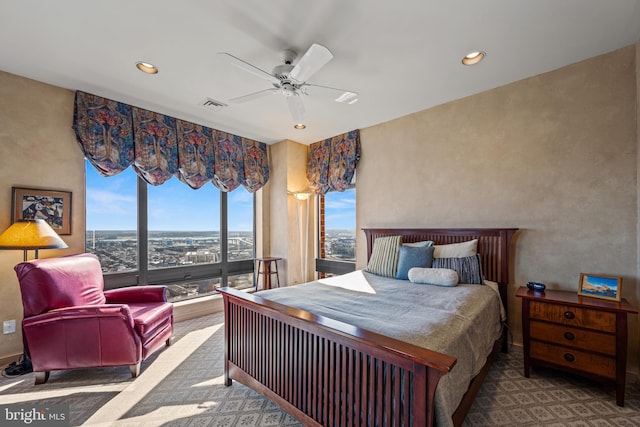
{"x":637,"y":55}
{"x":554,"y":155}
{"x":288,"y":166}
{"x":38,"y":149}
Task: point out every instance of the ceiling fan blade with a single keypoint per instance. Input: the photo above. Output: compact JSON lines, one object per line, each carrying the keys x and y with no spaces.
{"x":338,"y":95}
{"x":244,"y":65}
{"x":314,"y":58}
{"x":296,"y":108}
{"x":255,"y":95}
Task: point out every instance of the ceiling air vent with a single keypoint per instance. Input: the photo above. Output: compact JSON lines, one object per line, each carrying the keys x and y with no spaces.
{"x":212,"y":104}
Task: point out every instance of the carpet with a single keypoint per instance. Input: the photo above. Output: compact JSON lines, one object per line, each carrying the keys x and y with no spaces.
{"x":182,"y":385}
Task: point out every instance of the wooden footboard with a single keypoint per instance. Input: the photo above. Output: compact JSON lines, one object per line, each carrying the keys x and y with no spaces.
{"x":329,"y":373}
{"x":325,"y":372}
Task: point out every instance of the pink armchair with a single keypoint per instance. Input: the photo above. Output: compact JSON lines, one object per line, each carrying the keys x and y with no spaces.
{"x":71,"y":322}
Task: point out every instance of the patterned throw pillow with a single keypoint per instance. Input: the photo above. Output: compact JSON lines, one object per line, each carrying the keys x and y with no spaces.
{"x":413,"y":256}
{"x":468,"y":268}
{"x":384,"y":257}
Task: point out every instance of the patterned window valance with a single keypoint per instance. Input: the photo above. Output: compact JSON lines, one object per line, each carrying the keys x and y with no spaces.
{"x":331,"y":163}
{"x":114,"y":136}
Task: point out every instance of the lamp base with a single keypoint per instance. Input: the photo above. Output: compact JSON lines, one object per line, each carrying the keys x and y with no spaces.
{"x":23,"y":366}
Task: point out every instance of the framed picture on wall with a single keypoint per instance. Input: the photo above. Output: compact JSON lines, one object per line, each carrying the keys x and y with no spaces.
{"x":53,"y":206}
{"x":599,"y":286}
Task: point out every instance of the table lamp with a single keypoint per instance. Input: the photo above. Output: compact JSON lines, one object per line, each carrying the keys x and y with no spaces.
{"x":28,"y":234}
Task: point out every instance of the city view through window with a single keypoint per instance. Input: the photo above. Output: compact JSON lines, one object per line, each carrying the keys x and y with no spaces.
{"x":340,"y":225}
{"x":184,"y":229}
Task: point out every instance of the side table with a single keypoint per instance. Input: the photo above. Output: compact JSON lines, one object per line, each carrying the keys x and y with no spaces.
{"x":582,"y":335}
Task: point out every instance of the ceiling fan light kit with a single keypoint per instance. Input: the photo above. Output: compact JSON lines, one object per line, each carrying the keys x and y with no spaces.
{"x":291,"y":80}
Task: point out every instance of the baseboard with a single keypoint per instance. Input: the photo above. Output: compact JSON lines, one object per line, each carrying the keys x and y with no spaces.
{"x":7,"y":359}
{"x":198,"y":307}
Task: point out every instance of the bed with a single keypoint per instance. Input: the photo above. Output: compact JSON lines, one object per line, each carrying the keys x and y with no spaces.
{"x":327,"y":366}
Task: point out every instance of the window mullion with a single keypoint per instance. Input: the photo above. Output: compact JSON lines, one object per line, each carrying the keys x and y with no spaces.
{"x":224,"y":237}
{"x":143,"y":233}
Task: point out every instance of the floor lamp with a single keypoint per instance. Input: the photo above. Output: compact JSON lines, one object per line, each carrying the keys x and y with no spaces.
{"x":303,"y":231}
{"x":28,"y":234}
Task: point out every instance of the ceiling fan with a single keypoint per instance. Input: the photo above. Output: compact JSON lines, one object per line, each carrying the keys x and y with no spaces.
{"x":291,"y":80}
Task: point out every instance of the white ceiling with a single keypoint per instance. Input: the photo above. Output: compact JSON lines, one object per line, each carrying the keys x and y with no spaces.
{"x":401,"y":56}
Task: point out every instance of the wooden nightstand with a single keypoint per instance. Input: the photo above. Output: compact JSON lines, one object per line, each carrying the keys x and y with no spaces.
{"x":581,"y":335}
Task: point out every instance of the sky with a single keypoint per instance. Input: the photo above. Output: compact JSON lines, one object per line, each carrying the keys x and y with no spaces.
{"x":111,"y":205}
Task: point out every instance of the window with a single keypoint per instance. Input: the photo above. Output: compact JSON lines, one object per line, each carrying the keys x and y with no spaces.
{"x":241,"y":230}
{"x":337,"y":234}
{"x":184,"y":225}
{"x":192,"y":241}
{"x":112,"y":218}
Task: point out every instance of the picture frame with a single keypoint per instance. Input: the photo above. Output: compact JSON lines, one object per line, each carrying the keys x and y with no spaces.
{"x":53,"y":206}
{"x":600,"y":286}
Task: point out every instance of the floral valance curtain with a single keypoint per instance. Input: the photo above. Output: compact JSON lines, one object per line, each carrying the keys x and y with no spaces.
{"x":114,"y":136}
{"x":331,"y":163}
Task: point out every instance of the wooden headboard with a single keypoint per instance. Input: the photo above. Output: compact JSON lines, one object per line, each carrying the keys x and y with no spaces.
{"x":494,"y":246}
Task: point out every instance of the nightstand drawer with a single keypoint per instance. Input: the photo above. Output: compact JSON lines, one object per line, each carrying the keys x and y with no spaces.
{"x":574,"y":316}
{"x":573,"y":337}
{"x":575,"y":359}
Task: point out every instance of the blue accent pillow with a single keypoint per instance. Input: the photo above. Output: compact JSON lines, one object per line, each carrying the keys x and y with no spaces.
{"x":422,"y":243}
{"x":413,"y":256}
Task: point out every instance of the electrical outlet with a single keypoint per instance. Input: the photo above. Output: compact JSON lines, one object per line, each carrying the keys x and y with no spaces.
{"x":9,"y":327}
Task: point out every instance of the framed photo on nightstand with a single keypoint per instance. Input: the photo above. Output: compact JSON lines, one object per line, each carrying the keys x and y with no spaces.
{"x":599,"y":286}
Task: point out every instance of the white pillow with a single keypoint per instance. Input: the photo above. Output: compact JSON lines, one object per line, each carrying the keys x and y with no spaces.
{"x":456,"y":250}
{"x":433,"y":276}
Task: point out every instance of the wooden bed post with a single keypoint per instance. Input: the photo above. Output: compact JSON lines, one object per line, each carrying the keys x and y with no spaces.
{"x":227,"y":341}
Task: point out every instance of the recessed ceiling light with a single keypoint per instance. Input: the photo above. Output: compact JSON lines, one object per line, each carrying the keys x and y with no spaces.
{"x":473,"y":58}
{"x":146,"y":67}
{"x":299,"y":126}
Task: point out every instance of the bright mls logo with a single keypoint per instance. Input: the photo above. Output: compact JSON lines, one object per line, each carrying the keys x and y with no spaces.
{"x":36,"y":415}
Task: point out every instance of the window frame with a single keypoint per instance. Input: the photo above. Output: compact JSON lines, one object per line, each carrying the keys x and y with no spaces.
{"x":325,"y":266}
{"x":170,"y":275}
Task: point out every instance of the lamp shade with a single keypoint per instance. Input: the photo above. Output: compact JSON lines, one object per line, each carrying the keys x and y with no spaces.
{"x":31,"y":234}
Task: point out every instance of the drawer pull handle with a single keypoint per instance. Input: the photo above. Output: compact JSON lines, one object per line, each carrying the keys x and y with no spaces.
{"x":569,"y":336}
{"x":569,"y":357}
{"x":569,"y":315}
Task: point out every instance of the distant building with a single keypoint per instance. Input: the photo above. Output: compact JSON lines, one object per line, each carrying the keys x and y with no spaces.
{"x":201,"y":257}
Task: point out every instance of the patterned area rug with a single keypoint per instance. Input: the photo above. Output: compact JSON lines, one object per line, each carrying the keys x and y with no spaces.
{"x":183,"y":386}
{"x":547,"y":398}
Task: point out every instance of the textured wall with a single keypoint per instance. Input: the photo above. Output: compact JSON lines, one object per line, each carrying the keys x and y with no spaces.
{"x":637,"y":55}
{"x":554,"y":155}
{"x":38,"y":149}
{"x":288,"y":174}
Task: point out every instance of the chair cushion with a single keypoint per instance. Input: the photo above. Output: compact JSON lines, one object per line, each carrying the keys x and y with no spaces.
{"x":47,"y":284}
{"x":149,"y":318}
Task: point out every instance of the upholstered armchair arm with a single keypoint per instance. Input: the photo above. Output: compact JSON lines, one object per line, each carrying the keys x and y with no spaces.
{"x":90,"y":335}
{"x":136,"y":294}
{"x":120,"y":311}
